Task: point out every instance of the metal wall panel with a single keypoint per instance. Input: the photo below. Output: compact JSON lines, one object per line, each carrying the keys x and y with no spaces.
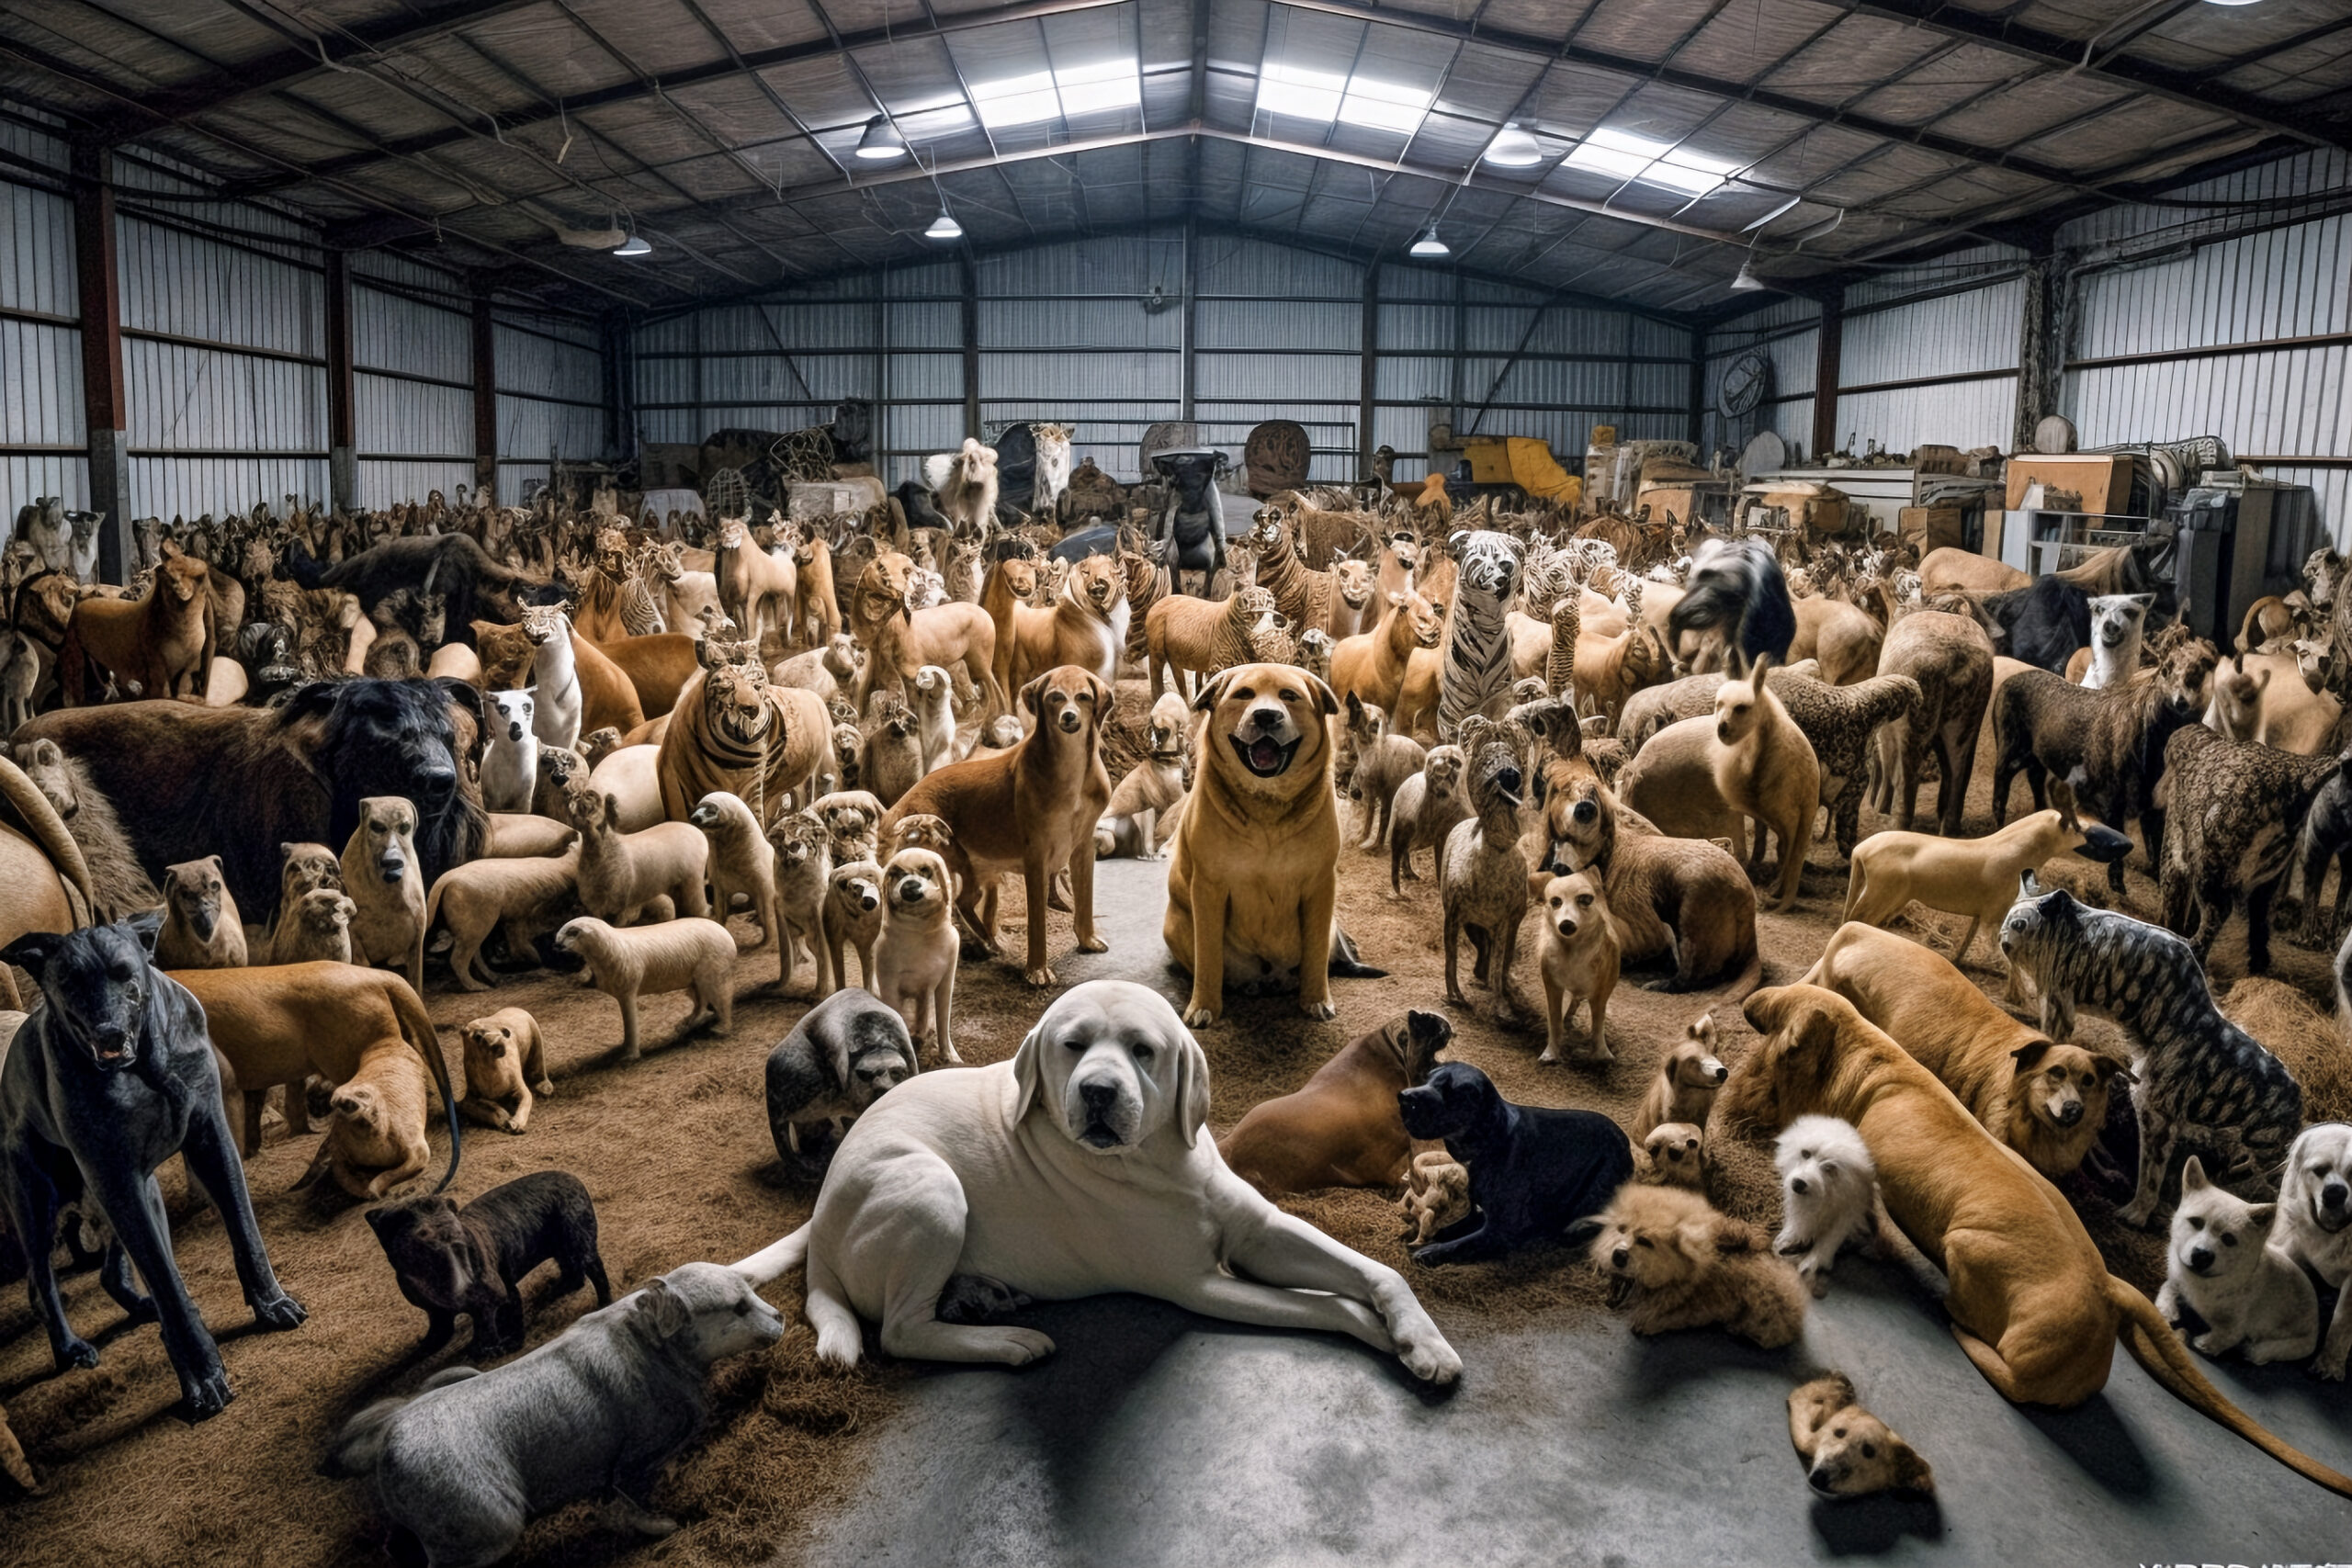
{"x":1039,"y":323}
{"x":1113,"y":263}
{"x":381,"y":484}
{"x":918,"y":378}
{"x":411,"y":419}
{"x":174,"y":282}
{"x":530,"y":428}
{"x":1957,"y":414}
{"x":41,"y":385}
{"x":1238,"y":264}
{"x":1273,"y":377}
{"x":1274,"y":325}
{"x":1080,"y":377}
{"x":1947,"y":335}
{"x":38,"y":145}
{"x":1415,"y":329}
{"x":37,"y":252}
{"x":26,"y":476}
{"x":2282,"y":283}
{"x":799,"y":378}
{"x":190,"y":487}
{"x":923,"y":323}
{"x":1403,"y":378}
{"x":390,"y":331}
{"x":205,"y":399}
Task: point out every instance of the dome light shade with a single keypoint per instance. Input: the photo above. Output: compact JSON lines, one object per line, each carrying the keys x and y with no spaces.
{"x":1747,"y":279}
{"x":1513,"y":147}
{"x":943,"y":227}
{"x":633,"y":246}
{"x":881,"y":142}
{"x":1429,"y":246}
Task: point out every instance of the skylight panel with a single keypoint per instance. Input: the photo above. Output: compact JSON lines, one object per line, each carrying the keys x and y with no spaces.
{"x":1050,"y":95}
{"x":1306,"y":93}
{"x":1621,"y":155}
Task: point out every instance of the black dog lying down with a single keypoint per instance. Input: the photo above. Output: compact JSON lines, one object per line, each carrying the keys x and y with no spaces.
{"x":110,"y":1077}
{"x":1534,"y":1174}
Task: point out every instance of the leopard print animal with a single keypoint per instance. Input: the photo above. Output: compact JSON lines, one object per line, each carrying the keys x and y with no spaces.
{"x":2205,"y":1085}
{"x":2230,"y":833}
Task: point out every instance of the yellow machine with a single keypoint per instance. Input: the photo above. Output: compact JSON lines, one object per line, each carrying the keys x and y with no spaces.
{"x":1525,"y":461}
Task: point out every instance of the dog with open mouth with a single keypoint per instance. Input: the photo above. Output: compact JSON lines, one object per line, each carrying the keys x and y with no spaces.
{"x":1253,"y":877}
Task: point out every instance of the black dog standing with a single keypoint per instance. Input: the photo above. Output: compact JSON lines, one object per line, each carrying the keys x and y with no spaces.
{"x":1738,"y":588}
{"x":1534,"y":1173}
{"x":111,"y":1074}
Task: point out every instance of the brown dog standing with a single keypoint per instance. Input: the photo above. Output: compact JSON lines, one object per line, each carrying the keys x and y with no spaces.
{"x":1033,"y":808}
{"x":1342,"y":1128}
{"x":1253,"y":880}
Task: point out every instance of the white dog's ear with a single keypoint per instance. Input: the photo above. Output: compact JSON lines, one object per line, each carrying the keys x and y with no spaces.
{"x":1191,"y":1086}
{"x":1026,"y":1071}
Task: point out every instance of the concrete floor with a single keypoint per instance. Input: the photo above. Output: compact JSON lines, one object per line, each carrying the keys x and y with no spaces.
{"x":1156,"y":1437}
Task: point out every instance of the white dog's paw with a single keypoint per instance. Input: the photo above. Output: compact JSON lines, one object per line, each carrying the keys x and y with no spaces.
{"x":1321,"y":1012}
{"x":1428,"y":1357}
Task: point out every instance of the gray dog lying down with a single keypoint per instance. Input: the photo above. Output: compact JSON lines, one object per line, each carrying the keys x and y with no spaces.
{"x":463,"y":1466}
{"x":1075,"y":1170}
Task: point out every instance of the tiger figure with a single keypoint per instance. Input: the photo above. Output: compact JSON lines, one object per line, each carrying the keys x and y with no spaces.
{"x":2204,"y":1084}
{"x":731,"y":730}
{"x":1475,"y":677}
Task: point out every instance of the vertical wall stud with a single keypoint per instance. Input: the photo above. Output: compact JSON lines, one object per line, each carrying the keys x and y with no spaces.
{"x":1825,"y":374}
{"x":1368,"y":382}
{"x":105,"y":406}
{"x":485,"y":400}
{"x":971,"y":278}
{"x":342,"y":463}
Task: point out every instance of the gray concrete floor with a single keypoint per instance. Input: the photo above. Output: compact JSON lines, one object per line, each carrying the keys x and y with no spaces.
{"x":1155,"y":1436}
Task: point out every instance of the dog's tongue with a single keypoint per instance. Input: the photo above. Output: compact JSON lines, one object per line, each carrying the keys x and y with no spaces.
{"x":1264,"y":753}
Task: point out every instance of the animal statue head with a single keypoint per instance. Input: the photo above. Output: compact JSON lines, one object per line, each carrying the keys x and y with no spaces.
{"x":1488,"y":563}
{"x":1097,"y":583}
{"x":197,"y":891}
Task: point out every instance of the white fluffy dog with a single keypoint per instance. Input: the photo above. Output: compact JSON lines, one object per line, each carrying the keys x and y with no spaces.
{"x":2315,"y":1227}
{"x":2222,"y":1266}
{"x":1829,"y":1193}
{"x":1077,"y":1168}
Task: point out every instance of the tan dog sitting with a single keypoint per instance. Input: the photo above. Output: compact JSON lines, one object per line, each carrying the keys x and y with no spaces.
{"x":1579,"y":961}
{"x":1684,"y":1089}
{"x":1342,"y":1128}
{"x":1847,"y":1451}
{"x":1681,"y":1264}
{"x":691,"y":954}
{"x":1253,"y":881}
{"x":914,"y":958}
{"x":506,"y":1064}
{"x":1141,"y":817}
{"x":1766,"y":768}
{"x":385,"y":881}
{"x":375,"y":1138}
{"x":1437,"y":1194}
{"x":317,"y":929}
{"x":201,"y":927}
{"x":1677,"y":1155}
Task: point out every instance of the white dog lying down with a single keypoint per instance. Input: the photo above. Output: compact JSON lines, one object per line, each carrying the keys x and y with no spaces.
{"x":1074,"y":1170}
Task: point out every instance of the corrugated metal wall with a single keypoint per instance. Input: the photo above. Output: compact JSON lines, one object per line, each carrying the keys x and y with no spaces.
{"x":1930,"y":354}
{"x":1787,"y":334}
{"x":2233,"y":322}
{"x":224,"y":353}
{"x":551,"y":379}
{"x":412,"y":365}
{"x":42,"y":445}
{"x":1073,"y":331}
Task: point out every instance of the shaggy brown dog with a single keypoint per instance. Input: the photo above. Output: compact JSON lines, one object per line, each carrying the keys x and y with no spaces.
{"x":1342,"y":1128}
{"x":1847,"y":1451}
{"x":1681,"y":1264}
{"x":1034,"y":807}
{"x":161,"y":641}
{"x":2031,"y":1300}
{"x":278,"y":1024}
{"x":2046,"y":1101}
{"x":240,"y":781}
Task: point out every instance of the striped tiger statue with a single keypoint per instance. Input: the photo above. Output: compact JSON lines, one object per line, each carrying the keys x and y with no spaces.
{"x":1475,"y":675}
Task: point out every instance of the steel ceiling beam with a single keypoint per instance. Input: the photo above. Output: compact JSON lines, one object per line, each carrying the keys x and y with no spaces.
{"x":1992,"y":31}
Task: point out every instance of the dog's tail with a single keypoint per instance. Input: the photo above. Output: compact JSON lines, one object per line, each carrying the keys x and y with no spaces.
{"x":297,"y":564}
{"x":2153,"y":1345}
{"x":1346,"y":966}
{"x":775,"y":1261}
{"x":417,"y":1028}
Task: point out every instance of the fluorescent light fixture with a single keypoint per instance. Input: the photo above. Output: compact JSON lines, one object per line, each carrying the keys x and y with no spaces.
{"x":943,"y":227}
{"x":1303,"y":93}
{"x":1106,"y":87}
{"x":2233,"y":1}
{"x":1429,"y":246}
{"x":1514,"y":149}
{"x":1624,"y":156}
{"x":1747,"y":279}
{"x":633,"y":246}
{"x":881,"y":142}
